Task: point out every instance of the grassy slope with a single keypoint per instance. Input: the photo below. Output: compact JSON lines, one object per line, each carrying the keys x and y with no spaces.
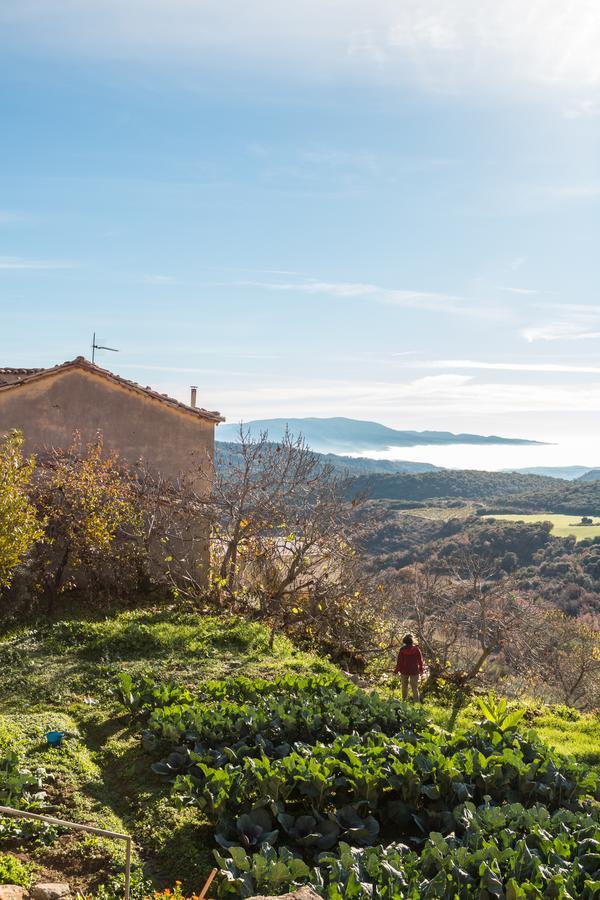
{"x":564,"y":729}
{"x":61,"y":676}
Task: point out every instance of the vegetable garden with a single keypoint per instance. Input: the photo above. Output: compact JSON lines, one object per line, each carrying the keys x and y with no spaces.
{"x":309,"y":780}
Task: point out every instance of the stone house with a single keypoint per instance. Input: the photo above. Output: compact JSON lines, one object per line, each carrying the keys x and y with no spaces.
{"x":49,"y":405}
{"x":140,"y":424}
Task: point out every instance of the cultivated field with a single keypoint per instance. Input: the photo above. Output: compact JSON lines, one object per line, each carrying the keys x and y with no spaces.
{"x":562,"y":525}
{"x":441,"y":513}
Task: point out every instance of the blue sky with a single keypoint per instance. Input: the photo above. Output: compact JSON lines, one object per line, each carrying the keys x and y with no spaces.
{"x":384,"y":210}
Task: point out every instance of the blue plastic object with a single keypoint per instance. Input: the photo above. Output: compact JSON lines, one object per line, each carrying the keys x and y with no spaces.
{"x":54,"y":738}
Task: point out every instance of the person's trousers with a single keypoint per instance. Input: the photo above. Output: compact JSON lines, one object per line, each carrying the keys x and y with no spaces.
{"x":414,"y":686}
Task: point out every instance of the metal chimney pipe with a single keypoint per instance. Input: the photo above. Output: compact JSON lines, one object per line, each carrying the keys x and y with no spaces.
{"x":194,"y":388}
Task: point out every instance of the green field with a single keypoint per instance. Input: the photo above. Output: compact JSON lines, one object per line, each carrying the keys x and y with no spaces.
{"x":562,"y":525}
{"x":441,"y":513}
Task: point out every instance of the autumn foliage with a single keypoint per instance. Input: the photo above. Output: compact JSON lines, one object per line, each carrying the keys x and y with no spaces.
{"x":20,"y":527}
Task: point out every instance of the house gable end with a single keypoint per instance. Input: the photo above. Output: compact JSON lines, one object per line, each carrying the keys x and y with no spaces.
{"x":51,"y":406}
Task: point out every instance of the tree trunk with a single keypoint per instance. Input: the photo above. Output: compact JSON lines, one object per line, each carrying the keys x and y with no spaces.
{"x":56,"y":582}
{"x":477,"y":666}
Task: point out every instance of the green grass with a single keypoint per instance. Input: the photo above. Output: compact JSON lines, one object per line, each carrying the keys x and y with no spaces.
{"x":569,"y":732}
{"x":61,"y":676}
{"x":562,"y":526}
{"x":73,"y":781}
{"x":68,"y":661}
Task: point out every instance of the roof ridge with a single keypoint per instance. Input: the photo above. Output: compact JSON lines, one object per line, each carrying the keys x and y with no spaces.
{"x":82,"y":362}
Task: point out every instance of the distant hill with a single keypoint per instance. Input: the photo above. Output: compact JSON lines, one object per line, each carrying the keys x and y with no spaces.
{"x":591,"y":475}
{"x":467,"y":484}
{"x":363,"y":465}
{"x":568,"y":473}
{"x":341,"y":435}
{"x":350,"y":465}
{"x":498,"y":491}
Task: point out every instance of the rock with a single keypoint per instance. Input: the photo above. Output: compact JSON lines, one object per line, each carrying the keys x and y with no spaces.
{"x":304,"y":893}
{"x":50,"y":891}
{"x":358,"y":680}
{"x":12,"y":892}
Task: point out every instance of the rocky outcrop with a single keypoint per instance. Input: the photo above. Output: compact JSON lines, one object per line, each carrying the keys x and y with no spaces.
{"x":12,"y":892}
{"x":50,"y":891}
{"x":44,"y":891}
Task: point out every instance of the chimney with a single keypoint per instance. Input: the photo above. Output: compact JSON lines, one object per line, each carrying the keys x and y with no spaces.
{"x":194,"y":388}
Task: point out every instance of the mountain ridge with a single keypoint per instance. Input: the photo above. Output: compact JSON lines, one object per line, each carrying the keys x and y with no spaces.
{"x":590,"y":475}
{"x":340,"y":434}
{"x":567,"y":473}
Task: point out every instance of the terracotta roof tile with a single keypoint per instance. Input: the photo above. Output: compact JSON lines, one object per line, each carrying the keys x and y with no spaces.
{"x":10,"y":376}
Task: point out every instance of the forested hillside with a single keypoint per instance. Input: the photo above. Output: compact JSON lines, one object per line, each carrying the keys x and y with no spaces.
{"x":496,"y":491}
{"x":562,"y":572}
{"x":457,"y":483}
{"x":591,"y":475}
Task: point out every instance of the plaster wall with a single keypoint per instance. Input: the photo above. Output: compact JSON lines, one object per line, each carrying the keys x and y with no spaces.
{"x":49,"y":410}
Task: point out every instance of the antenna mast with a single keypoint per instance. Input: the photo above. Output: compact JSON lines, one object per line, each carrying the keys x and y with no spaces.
{"x":96,"y":346}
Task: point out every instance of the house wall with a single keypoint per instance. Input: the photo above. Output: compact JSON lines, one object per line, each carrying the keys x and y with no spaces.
{"x":48,"y":410}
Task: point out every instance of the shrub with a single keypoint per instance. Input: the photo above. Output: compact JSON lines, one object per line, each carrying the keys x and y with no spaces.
{"x":92,"y":523}
{"x":19,"y":527}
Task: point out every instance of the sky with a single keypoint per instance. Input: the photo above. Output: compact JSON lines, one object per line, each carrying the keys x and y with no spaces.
{"x":385,"y":210}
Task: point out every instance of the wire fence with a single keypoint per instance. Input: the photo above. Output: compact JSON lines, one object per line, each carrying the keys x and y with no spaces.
{"x":62,"y":823}
{"x":101,"y":832}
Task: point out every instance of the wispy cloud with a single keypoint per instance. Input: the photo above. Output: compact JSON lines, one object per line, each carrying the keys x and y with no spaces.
{"x":574,"y":191}
{"x":517,"y":290}
{"x":431,"y":398}
{"x":559,"y":331}
{"x":575,"y":310}
{"x":20,"y":262}
{"x":428,"y":301}
{"x":505,"y":366}
{"x":584,"y":108}
{"x":443,"y":43}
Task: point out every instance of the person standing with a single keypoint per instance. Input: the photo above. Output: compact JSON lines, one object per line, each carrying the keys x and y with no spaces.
{"x":409,"y":666}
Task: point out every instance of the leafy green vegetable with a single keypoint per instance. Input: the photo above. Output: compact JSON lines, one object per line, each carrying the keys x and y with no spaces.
{"x":325,"y":770}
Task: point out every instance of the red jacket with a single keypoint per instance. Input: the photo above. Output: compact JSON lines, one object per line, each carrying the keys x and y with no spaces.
{"x":410,"y":661}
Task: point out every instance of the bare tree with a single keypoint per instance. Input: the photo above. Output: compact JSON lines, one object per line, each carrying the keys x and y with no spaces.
{"x":568,"y":661}
{"x":286,"y":529}
{"x":466,"y":613}
{"x":261,"y":490}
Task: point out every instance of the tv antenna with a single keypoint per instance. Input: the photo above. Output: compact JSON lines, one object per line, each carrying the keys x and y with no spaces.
{"x":96,"y":346}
